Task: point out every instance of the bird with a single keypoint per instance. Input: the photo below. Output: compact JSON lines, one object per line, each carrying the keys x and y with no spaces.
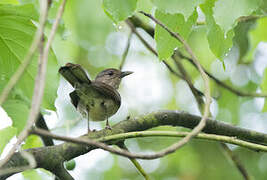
{"x":97,"y":99}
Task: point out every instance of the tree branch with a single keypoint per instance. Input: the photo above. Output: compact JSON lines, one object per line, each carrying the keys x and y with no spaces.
{"x":40,"y":123}
{"x":125,"y":53}
{"x":45,"y":156}
{"x":135,"y":162}
{"x":205,"y":78}
{"x":229,"y":153}
{"x":130,"y":24}
{"x":62,"y":173}
{"x":224,"y":85}
{"x":187,"y":78}
{"x":138,"y":23}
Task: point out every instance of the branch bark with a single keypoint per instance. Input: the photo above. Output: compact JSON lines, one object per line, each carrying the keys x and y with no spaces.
{"x":50,"y":157}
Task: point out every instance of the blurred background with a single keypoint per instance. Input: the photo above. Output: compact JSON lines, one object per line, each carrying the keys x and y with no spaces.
{"x":88,"y":37}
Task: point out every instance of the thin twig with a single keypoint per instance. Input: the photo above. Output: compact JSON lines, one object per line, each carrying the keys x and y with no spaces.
{"x":40,"y":123}
{"x":155,"y":53}
{"x":236,"y":161}
{"x":204,"y":136}
{"x":150,"y":30}
{"x":39,"y":86}
{"x":27,"y":59}
{"x":97,"y":143}
{"x":203,"y":120}
{"x":67,"y":151}
{"x":187,"y":78}
{"x":135,"y":162}
{"x":172,"y":70}
{"x":140,"y":37}
{"x":224,"y":85}
{"x":30,"y":159}
{"x":125,"y":53}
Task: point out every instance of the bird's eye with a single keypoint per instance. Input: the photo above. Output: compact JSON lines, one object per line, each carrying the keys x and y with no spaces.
{"x":110,"y":73}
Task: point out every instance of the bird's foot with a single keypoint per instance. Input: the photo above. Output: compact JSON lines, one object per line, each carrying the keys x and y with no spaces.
{"x":90,"y":131}
{"x":108,"y":127}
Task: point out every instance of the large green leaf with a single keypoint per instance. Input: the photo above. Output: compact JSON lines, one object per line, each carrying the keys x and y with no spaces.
{"x":31,"y":174}
{"x":18,"y":111}
{"x":241,"y":37}
{"x":219,"y":41}
{"x":16,"y":34}
{"x":175,"y":22}
{"x":32,"y":141}
{"x":177,"y":6}
{"x":9,"y":2}
{"x":226,"y":12}
{"x":257,"y":35}
{"x":6,"y":134}
{"x":119,"y":10}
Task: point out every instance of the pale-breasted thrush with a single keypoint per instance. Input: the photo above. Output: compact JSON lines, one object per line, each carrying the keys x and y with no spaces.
{"x":98,"y":99}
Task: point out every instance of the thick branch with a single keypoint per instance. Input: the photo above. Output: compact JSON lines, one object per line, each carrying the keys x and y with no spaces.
{"x":50,"y":157}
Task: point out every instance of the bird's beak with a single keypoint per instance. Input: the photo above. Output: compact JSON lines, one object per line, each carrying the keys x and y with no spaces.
{"x":125,"y":73}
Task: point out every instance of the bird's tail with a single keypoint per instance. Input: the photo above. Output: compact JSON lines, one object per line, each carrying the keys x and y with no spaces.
{"x":74,"y":73}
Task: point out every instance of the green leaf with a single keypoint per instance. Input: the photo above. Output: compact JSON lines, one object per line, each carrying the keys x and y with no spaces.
{"x":6,"y":134}
{"x":176,"y":23}
{"x":241,"y":37}
{"x":264,"y":89}
{"x":119,"y":10}
{"x":31,"y":174}
{"x":263,"y":6}
{"x":177,"y":6}
{"x":9,"y":2}
{"x":219,"y":41}
{"x":257,"y":35}
{"x":18,"y":111}
{"x":16,"y":34}
{"x":226,"y":12}
{"x":229,"y":105}
{"x":32,"y":141}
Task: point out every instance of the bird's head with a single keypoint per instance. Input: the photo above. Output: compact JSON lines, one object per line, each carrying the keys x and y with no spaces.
{"x":112,"y":76}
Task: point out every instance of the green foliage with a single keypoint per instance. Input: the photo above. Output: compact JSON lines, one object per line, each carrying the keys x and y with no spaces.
{"x":241,"y":37}
{"x":226,"y":12}
{"x":211,"y":28}
{"x":257,"y":35}
{"x":176,"y":22}
{"x":178,"y":6}
{"x":31,"y":174}
{"x":228,"y":106}
{"x":32,"y":141}
{"x":219,"y":41}
{"x":18,"y":111}
{"x":119,"y":10}
{"x":16,"y":33}
{"x":6,"y":134}
{"x":9,"y":2}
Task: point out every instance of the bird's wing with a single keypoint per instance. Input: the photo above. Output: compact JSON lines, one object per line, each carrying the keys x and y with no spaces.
{"x":74,"y":73}
{"x":74,"y":98}
{"x":98,"y":90}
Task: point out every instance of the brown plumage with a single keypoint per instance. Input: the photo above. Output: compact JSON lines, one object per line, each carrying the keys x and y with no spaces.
{"x":98,"y":99}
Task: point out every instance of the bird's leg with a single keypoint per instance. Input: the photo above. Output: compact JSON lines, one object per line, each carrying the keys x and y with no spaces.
{"x":107,"y":125}
{"x":106,"y":114}
{"x":88,"y":122}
